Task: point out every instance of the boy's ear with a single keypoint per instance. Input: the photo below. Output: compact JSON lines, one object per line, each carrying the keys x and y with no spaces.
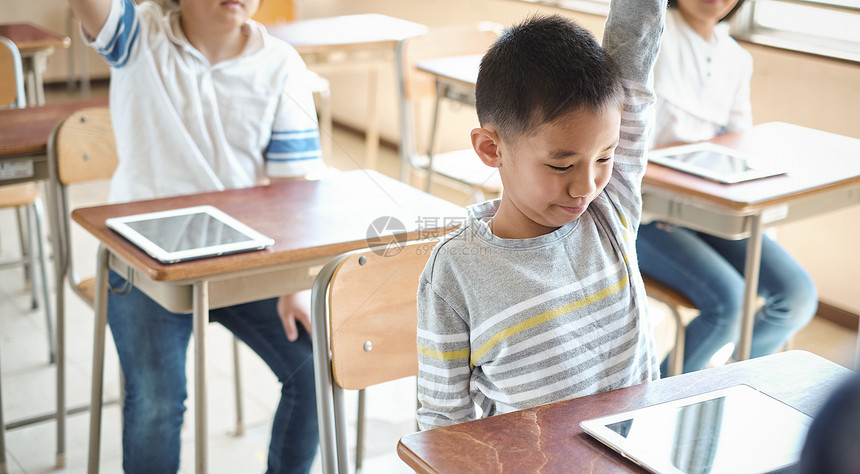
{"x":487,"y":145}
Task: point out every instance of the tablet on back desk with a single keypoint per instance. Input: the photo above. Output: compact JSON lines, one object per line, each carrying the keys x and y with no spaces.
{"x":736,"y":430}
{"x":189,"y":233}
{"x":714,"y":162}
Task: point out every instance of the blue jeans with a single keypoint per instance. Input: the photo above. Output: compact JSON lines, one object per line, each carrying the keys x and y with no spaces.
{"x":708,"y":270}
{"x":152,"y":344}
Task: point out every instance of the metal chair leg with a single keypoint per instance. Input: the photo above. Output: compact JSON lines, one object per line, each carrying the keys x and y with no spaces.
{"x":2,"y":436}
{"x":323,"y":98}
{"x":98,"y":361}
{"x":676,"y":362}
{"x":39,"y":217}
{"x":359,"y":431}
{"x":27,"y":246}
{"x":23,"y":239}
{"x":240,"y":422}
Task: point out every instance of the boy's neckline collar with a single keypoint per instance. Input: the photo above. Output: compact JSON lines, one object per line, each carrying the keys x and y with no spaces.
{"x":479,"y":216}
{"x":255,"y":43}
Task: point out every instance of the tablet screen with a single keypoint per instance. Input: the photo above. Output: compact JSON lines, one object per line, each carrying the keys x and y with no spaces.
{"x":187,"y":232}
{"x":714,"y":162}
{"x":738,"y":430}
{"x":183,"y":234}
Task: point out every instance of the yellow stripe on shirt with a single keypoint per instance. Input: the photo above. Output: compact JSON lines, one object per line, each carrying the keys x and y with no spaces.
{"x":450,"y":355}
{"x":547,"y":316}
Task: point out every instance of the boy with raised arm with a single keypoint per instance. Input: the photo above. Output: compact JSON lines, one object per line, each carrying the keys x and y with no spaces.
{"x":203,"y":99}
{"x":538,"y":297}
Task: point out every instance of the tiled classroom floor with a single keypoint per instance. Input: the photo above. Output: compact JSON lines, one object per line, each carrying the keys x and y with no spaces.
{"x":28,"y":380}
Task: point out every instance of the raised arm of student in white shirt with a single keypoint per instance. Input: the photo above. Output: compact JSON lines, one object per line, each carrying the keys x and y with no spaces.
{"x":91,"y":13}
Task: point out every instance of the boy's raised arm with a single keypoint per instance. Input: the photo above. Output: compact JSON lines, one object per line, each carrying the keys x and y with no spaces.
{"x":632,"y":36}
{"x":91,"y":13}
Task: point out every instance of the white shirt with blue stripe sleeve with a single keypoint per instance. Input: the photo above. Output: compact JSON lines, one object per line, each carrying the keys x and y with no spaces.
{"x":186,"y":126}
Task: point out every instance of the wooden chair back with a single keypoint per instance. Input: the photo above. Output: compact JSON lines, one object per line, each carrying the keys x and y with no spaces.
{"x":81,"y":149}
{"x":373,"y":316}
{"x":86,"y":147}
{"x":364,"y":313}
{"x":11,"y":75}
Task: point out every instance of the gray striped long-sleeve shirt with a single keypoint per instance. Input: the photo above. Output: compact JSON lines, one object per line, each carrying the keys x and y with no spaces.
{"x":513,"y":323}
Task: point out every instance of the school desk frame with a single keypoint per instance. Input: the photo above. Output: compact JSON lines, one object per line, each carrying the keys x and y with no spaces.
{"x":331,"y":219}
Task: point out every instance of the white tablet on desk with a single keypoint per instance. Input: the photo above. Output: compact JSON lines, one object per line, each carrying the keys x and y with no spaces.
{"x":189,"y":233}
{"x":714,"y":162}
{"x":736,"y":430}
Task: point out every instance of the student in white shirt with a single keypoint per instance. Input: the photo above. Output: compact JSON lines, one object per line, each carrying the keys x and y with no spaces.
{"x":203,"y":99}
{"x":702,"y":81}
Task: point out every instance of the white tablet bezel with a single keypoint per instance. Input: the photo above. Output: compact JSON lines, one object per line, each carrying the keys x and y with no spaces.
{"x":256,"y":240}
{"x":597,"y":428}
{"x":662,"y":157}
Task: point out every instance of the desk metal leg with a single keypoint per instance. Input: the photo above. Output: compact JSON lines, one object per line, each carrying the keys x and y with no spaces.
{"x":751,"y":273}
{"x":30,"y":86}
{"x":2,"y":437}
{"x":372,"y":128}
{"x":201,"y":320}
{"x":34,"y":69}
{"x":857,"y":352}
{"x":40,"y":64}
{"x":434,"y":126}
{"x":98,"y":358}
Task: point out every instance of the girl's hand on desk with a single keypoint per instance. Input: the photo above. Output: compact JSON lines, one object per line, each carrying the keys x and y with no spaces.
{"x":292,"y":308}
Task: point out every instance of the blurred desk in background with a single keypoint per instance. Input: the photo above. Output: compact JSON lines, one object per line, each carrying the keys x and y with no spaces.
{"x":364,"y":43}
{"x":35,"y":45}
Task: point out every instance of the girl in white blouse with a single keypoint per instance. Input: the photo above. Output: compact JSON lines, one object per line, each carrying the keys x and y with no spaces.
{"x":702,"y":81}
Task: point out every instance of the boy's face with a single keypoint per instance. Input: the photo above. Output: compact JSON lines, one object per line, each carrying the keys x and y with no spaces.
{"x":552,"y":175}
{"x":226,"y":13}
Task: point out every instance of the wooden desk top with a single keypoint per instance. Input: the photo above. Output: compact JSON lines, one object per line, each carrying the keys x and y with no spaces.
{"x":25,"y":131}
{"x":815,"y":160}
{"x":30,"y":38}
{"x":307,"y":219}
{"x":344,"y":32}
{"x":549,"y":439}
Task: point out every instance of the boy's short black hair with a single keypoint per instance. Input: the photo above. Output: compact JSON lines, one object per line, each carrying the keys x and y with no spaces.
{"x":729,"y":15}
{"x":540,"y":70}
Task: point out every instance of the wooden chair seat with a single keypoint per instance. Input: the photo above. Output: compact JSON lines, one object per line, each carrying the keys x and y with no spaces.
{"x":666,"y":294}
{"x":678,"y":305}
{"x":86,"y":289}
{"x":17,"y":195}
